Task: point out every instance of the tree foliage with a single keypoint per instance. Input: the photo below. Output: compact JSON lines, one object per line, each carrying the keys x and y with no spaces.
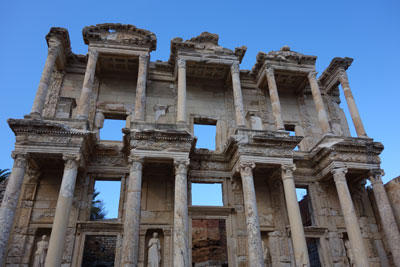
{"x":97,"y":211}
{"x":4,"y":173}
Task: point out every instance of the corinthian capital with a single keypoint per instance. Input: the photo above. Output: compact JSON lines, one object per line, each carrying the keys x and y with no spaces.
{"x":71,"y":161}
{"x":20,"y":159}
{"x":339,"y":174}
{"x":270,"y":72}
{"x":143,"y":58}
{"x":181,"y":166}
{"x":136,"y":163}
{"x":246,"y":167}
{"x":182,"y":63}
{"x":343,"y":79}
{"x":375,"y":175}
{"x":93,"y":53}
{"x":54,"y":46}
{"x":287,"y":170}
{"x":312,"y":75}
{"x":235,"y":67}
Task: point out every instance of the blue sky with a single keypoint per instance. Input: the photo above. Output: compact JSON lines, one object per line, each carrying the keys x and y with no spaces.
{"x":367,"y":31}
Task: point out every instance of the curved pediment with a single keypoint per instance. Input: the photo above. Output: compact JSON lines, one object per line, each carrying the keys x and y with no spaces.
{"x":119,"y":33}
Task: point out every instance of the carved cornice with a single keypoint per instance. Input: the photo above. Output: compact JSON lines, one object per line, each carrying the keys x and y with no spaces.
{"x":119,"y":33}
{"x":329,"y":77}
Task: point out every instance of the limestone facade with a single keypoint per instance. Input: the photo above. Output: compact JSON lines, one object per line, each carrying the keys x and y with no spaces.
{"x":278,"y":127}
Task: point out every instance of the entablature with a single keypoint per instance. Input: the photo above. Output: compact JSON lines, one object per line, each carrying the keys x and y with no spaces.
{"x":329,"y":79}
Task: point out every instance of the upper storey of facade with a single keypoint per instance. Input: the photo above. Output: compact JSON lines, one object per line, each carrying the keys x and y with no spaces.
{"x":279,"y":102}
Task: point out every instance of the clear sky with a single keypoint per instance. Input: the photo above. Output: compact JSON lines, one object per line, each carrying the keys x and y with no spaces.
{"x":368,"y":31}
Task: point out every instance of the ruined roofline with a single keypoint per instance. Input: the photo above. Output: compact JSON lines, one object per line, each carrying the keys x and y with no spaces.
{"x":331,"y":71}
{"x":119,"y":33}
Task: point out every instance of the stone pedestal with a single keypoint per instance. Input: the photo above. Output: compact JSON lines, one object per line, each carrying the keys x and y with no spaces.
{"x":130,"y":242}
{"x":254,"y":244}
{"x":83,"y":106}
{"x":350,"y":218}
{"x":319,"y":103}
{"x":296,"y":224}
{"x":237,"y":95}
{"x":273,"y":94}
{"x":53,"y":52}
{"x":355,"y":116}
{"x":10,"y":201}
{"x":181,"y":109}
{"x":386,"y":214}
{"x":63,"y":209}
{"x":181,"y":219}
{"x":140,"y":103}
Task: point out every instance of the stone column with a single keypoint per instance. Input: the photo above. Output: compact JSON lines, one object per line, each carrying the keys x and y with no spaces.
{"x":254,"y":244}
{"x":181,"y":218}
{"x":181,"y":109}
{"x":350,"y":217}
{"x":273,"y":94}
{"x":52,"y":54}
{"x":83,"y":106}
{"x":63,"y":209}
{"x":355,"y":116}
{"x":319,"y":103}
{"x":130,"y":242}
{"x":237,"y":95}
{"x":386,"y":214}
{"x":10,"y":201}
{"x":140,"y":103}
{"x":293,"y":209}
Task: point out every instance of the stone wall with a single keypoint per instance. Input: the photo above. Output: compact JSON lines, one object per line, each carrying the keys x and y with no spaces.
{"x":99,"y":251}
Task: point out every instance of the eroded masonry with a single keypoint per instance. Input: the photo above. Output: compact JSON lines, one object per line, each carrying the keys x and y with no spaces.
{"x":279,"y":128}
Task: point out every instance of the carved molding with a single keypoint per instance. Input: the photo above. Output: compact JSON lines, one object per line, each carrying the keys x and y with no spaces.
{"x":287,"y":171}
{"x":33,"y":175}
{"x":181,"y":63}
{"x":246,"y":168}
{"x":375,"y":176}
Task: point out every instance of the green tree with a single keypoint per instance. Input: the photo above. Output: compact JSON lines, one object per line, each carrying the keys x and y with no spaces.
{"x":97,"y":211}
{"x":4,"y":173}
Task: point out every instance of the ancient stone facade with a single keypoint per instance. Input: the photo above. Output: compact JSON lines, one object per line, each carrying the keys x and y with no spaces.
{"x":278,"y":128}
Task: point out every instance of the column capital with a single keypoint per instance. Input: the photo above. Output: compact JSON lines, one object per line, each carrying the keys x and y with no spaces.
{"x":287,"y":171}
{"x":312,"y":75}
{"x":181,"y":63}
{"x":54,"y":47}
{"x":20,"y":159}
{"x":375,"y":175}
{"x":235,"y":67}
{"x":143,"y":58}
{"x":136,"y":162}
{"x":339,"y":174}
{"x":343,"y":79}
{"x":71,"y":161}
{"x":93,"y":53}
{"x":270,"y":71}
{"x":181,"y":165}
{"x":246,"y":167}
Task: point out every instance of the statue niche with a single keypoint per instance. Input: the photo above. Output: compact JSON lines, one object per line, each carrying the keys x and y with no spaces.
{"x":154,"y":248}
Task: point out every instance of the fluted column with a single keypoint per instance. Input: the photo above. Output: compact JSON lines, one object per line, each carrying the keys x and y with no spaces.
{"x":273,"y":94}
{"x":237,"y":95}
{"x":319,"y":103}
{"x":41,"y":93}
{"x":140,"y":103}
{"x":350,"y":217}
{"x":254,"y":244}
{"x":10,"y":201}
{"x":130,"y":243}
{"x":63,"y":209}
{"x":83,"y":106}
{"x":181,"y":112}
{"x":386,"y":214}
{"x":296,"y":224}
{"x":355,"y":116}
{"x":181,"y":219}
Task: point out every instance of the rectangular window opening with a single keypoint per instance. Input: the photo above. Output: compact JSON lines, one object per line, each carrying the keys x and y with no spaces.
{"x":305,"y":206}
{"x":206,"y":134}
{"x":112,"y":129}
{"x":207,"y":194}
{"x":105,"y":200}
{"x":313,"y":251}
{"x":99,"y":250}
{"x":291,"y":129}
